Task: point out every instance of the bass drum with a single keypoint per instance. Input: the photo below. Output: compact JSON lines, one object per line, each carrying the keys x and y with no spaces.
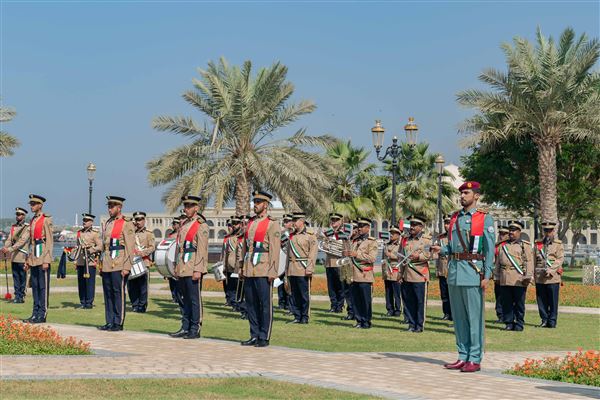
{"x":164,"y":258}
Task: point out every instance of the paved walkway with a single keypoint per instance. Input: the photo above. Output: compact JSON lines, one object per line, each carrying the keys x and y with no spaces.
{"x":391,"y":375}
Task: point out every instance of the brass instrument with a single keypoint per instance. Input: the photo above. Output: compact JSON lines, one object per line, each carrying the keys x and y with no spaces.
{"x":331,"y":246}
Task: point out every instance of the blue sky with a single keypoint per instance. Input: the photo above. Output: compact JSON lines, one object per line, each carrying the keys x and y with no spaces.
{"x":86,"y":78}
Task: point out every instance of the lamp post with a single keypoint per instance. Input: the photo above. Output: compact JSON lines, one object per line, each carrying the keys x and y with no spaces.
{"x":91,"y":170}
{"x":439,"y":166}
{"x":393,"y":151}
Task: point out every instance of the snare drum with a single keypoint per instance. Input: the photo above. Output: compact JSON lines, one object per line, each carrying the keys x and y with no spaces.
{"x":138,"y":268}
{"x":219,"y":271}
{"x":164,"y":258}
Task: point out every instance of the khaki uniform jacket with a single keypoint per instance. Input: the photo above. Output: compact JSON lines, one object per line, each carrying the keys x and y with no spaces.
{"x":495,"y":275}
{"x":306,"y":245}
{"x":366,"y":249}
{"x":389,"y":269}
{"x":88,"y":239}
{"x":239,"y":253}
{"x":145,"y":245}
{"x":545,"y":274}
{"x":521,"y":252}
{"x":17,"y":242}
{"x":331,"y":261}
{"x":48,"y":245}
{"x":268,"y":263}
{"x":199,"y":259}
{"x":421,"y":245}
{"x":230,"y":253}
{"x":124,"y":259}
{"x":441,"y":265}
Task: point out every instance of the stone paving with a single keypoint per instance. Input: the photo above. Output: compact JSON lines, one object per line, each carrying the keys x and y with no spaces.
{"x":126,"y":354}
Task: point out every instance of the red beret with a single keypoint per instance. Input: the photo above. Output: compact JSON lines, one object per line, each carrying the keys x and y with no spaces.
{"x":469,"y":185}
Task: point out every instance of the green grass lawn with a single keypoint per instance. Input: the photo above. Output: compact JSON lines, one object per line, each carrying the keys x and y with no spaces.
{"x":176,"y":389}
{"x":327,"y":332}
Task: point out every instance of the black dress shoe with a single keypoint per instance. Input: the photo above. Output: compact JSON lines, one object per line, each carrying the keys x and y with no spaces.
{"x":357,"y":325}
{"x":348,"y":317}
{"x":550,"y":326}
{"x":405,"y":321}
{"x":89,"y":307}
{"x":410,"y":329}
{"x":518,"y":329}
{"x":304,"y":321}
{"x":106,"y":327}
{"x":179,"y":333}
{"x":192,"y":335}
{"x":244,"y":316}
{"x":38,"y":320}
{"x":397,"y":313}
{"x":80,"y":306}
{"x":116,"y":328}
{"x":446,"y":317}
{"x":508,"y":327}
{"x":28,"y":320}
{"x":498,"y":321}
{"x":389,"y":314}
{"x":261,"y":343}
{"x":249,"y":342}
{"x":338,"y":311}
{"x":294,"y":321}
{"x":544,"y":324}
{"x":417,"y":330}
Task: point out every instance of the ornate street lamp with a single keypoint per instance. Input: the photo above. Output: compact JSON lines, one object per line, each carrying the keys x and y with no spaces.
{"x":91,"y":170}
{"x":393,"y":151}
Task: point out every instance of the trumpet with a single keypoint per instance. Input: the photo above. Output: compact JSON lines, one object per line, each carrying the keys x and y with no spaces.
{"x":331,"y":246}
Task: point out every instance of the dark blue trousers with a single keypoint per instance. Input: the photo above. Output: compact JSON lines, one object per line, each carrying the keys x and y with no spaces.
{"x":40,"y":288}
{"x":19,"y":279}
{"x":138,"y":292}
{"x":229,"y":287}
{"x":513,"y":306}
{"x":282,"y":296}
{"x":414,"y":297}
{"x":393,"y":303}
{"x":113,"y":286}
{"x":348,"y":298}
{"x":86,"y":286}
{"x":240,"y":296}
{"x":259,"y":306}
{"x":191,"y":291}
{"x":362,"y":302}
{"x":547,"y":300}
{"x":498,"y":297}
{"x":300,"y":307}
{"x":175,"y":294}
{"x":334,"y":288}
{"x":445,"y":296}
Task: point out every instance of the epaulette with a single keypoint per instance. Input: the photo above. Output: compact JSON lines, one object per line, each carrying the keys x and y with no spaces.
{"x":483,"y":210}
{"x":525,"y":241}
{"x":371,"y":238}
{"x":557,"y":241}
{"x":47,"y":215}
{"x":271,"y":218}
{"x":95,"y":230}
{"x":26,"y":224}
{"x":127,"y":219}
{"x":310,"y":231}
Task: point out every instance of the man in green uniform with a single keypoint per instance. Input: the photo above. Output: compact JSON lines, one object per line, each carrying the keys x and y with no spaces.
{"x":471,"y":255}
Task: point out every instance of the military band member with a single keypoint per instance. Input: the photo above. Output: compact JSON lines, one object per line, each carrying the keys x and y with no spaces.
{"x":144,"y":248}
{"x":118,"y":238}
{"x":230,"y":244}
{"x":332,"y":271}
{"x":549,"y":256}
{"x":363,"y":255}
{"x":514,"y":267}
{"x":302,"y":255}
{"x":39,"y":258}
{"x":389,"y":271}
{"x":175,"y":295}
{"x":346,"y":287}
{"x":414,"y":273}
{"x":471,"y":255}
{"x":240,"y":303}
{"x":502,"y":237}
{"x":192,"y":265}
{"x":441,"y":272}
{"x":90,"y":246}
{"x":16,"y":244}
{"x":261,"y":263}
{"x":284,"y":299}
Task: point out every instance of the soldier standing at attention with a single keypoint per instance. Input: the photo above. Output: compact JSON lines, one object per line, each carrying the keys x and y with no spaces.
{"x":39,"y":258}
{"x":514,"y":267}
{"x":389,"y":273}
{"x":502,"y":237}
{"x":302,"y":255}
{"x":192,"y":263}
{"x":471,"y":256}
{"x":549,"y":256}
{"x":118,"y":238}
{"x":230,"y":244}
{"x":16,"y":244}
{"x":90,"y":246}
{"x":144,"y":247}
{"x":363,"y":255}
{"x":261,"y":263}
{"x":442,"y":273}
{"x":332,"y":271}
{"x":414,"y":273}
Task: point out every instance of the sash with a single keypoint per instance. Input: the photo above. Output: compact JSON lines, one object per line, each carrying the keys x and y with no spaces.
{"x":188,"y":243}
{"x":302,"y":260}
{"x":475,"y":242}
{"x":37,"y":235}
{"x":540,"y":247}
{"x":512,"y":260}
{"x":258,"y":239}
{"x":410,"y":265}
{"x":115,"y":234}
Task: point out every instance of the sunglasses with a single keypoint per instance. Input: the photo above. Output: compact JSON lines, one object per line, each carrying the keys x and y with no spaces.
{"x":139,"y":219}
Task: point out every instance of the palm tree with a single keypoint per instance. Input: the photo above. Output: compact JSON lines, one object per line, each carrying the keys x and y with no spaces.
{"x":7,"y":142}
{"x":549,"y":94}
{"x":354,"y":191}
{"x":417,"y":184}
{"x":242,"y":151}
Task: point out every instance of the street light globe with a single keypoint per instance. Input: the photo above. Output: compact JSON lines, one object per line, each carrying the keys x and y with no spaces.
{"x":439,"y":164}
{"x":91,"y":170}
{"x":411,"y":130}
{"x":377,"y":131}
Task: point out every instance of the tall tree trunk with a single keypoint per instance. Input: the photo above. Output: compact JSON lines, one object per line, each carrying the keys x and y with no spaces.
{"x":547,"y":177}
{"x":242,"y":195}
{"x":576,"y":236}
